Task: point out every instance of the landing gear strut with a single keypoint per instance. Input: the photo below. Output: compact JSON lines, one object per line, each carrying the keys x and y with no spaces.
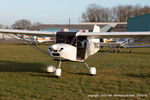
{"x":58,"y":70}
{"x":130,"y":51}
{"x":92,"y":70}
{"x":119,"y":50}
{"x":51,"y":69}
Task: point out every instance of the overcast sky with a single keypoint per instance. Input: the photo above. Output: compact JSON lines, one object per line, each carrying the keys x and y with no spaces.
{"x":53,"y":11}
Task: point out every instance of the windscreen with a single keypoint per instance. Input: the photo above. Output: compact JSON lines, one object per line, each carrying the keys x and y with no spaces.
{"x":66,"y":37}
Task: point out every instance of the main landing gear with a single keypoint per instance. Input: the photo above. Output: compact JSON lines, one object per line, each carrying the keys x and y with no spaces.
{"x":51,"y":69}
{"x":92,"y":70}
{"x":119,"y":50}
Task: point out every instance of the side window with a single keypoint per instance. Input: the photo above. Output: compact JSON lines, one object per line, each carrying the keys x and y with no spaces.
{"x":101,"y":40}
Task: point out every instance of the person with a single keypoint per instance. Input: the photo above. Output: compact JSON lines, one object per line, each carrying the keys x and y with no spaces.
{"x":81,"y":44}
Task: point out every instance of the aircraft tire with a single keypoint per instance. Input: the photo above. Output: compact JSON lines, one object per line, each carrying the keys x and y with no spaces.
{"x":92,"y":71}
{"x":58,"y":72}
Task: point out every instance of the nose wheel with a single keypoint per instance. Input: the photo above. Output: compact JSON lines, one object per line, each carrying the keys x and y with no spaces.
{"x":51,"y":69}
{"x":58,"y":70}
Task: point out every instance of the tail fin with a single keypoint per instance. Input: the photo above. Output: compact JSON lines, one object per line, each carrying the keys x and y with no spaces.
{"x":96,"y":28}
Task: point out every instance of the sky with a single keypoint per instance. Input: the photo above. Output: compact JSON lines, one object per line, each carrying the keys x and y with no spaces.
{"x":53,"y":11}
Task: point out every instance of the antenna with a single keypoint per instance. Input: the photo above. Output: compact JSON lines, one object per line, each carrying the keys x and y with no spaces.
{"x":78,"y":19}
{"x":69,"y":24}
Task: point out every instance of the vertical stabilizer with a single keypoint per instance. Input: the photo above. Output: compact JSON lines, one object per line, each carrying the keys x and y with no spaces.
{"x":96,"y":28}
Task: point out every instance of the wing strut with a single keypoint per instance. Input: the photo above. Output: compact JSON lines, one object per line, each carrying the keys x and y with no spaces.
{"x":34,"y":45}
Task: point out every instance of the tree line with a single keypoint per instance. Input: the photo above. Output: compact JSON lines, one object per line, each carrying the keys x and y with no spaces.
{"x":23,"y":24}
{"x":97,"y":13}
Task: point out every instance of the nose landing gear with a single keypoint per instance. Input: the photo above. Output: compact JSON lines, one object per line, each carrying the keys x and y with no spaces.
{"x":51,"y":69}
{"x":58,"y":70}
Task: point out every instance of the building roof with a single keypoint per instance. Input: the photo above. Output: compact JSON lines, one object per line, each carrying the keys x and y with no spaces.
{"x":113,"y":24}
{"x":120,"y":28}
{"x":63,"y":26}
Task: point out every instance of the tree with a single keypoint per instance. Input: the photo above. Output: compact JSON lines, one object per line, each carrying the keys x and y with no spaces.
{"x":1,"y":26}
{"x":91,"y":13}
{"x":36,"y":24}
{"x":97,"y":13}
{"x":22,"y":24}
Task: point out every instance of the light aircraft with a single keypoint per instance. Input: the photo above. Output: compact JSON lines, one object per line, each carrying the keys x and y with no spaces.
{"x":75,"y":46}
{"x":122,"y":43}
{"x":38,"y":39}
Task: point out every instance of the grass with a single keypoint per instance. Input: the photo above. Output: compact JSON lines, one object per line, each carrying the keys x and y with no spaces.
{"x":23,"y":75}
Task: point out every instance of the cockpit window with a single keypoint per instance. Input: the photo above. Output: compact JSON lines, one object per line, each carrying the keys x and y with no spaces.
{"x":66,"y":37}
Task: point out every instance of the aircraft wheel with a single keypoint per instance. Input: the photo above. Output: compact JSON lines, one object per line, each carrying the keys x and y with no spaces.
{"x":92,"y":71}
{"x":51,"y":69}
{"x":58,"y":72}
{"x":118,"y":51}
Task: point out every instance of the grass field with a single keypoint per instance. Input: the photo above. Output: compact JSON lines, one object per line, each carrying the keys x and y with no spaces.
{"x":23,"y":75}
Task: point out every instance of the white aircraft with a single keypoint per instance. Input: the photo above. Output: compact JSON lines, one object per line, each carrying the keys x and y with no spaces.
{"x":75,"y":46}
{"x":38,"y":39}
{"x":122,"y":43}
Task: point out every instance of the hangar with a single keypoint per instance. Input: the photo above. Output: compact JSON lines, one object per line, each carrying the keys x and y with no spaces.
{"x":139,"y":23}
{"x":72,"y":27}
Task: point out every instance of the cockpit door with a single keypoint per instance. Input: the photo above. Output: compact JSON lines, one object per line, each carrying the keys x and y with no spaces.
{"x":81,"y":47}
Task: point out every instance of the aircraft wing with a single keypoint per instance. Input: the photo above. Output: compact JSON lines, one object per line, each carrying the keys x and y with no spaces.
{"x":115,"y":34}
{"x":27,"y":32}
{"x":111,"y":44}
{"x":138,"y":46}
